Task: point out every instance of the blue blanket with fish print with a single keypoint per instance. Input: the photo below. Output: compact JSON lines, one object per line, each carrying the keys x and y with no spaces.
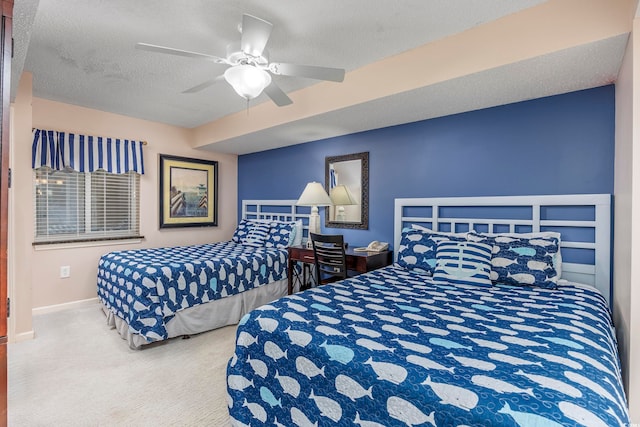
{"x":146,"y":287}
{"x":391,"y":348}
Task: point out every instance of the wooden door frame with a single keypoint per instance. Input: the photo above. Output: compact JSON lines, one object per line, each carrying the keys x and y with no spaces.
{"x":5,"y":92}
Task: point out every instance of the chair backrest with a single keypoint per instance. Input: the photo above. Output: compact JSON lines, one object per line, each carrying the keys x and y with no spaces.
{"x":329,"y":256}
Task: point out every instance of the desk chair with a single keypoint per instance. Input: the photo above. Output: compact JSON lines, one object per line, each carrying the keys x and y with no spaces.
{"x":329,"y":257}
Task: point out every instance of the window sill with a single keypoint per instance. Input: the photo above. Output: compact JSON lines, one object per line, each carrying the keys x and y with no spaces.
{"x":46,"y":246}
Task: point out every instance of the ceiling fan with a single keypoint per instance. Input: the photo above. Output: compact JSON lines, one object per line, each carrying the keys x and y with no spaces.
{"x":249,"y":67}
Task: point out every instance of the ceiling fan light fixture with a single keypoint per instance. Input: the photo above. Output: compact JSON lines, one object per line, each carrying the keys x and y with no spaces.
{"x":250,"y":71}
{"x":248,"y":81}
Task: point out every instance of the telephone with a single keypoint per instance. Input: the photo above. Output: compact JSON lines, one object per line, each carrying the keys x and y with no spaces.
{"x":374,"y":246}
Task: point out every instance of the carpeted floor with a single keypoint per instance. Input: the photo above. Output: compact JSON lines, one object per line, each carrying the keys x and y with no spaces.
{"x":78,"y":372}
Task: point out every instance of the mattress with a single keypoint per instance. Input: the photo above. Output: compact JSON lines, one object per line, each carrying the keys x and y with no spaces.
{"x":393,"y":348}
{"x":147,"y":287}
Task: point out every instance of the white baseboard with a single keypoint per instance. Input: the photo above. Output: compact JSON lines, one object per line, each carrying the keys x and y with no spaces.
{"x":24,"y":336}
{"x":65,"y":306}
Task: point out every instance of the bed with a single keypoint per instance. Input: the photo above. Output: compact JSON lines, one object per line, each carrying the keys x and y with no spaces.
{"x":151,"y":295}
{"x":399,"y":347}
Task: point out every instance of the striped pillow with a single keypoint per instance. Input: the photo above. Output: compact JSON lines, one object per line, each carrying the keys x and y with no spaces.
{"x":463,"y":263}
{"x":257,"y":234}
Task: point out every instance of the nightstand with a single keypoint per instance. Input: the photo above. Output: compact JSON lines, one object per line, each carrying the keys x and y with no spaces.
{"x":360,"y":262}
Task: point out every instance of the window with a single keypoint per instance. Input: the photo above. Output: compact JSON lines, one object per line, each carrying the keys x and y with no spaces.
{"x":85,"y":188}
{"x":73,"y":206}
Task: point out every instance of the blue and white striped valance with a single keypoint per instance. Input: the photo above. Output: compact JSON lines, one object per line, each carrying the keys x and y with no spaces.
{"x":83,"y":153}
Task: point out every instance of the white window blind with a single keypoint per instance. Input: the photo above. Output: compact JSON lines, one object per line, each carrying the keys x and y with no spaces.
{"x":85,"y":188}
{"x":80,"y":206}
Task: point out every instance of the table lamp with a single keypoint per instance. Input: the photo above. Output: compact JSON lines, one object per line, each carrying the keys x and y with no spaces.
{"x":314,"y":195}
{"x":341,"y":197}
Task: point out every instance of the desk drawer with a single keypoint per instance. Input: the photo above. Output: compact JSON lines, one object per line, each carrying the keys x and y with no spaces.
{"x":301,"y":254}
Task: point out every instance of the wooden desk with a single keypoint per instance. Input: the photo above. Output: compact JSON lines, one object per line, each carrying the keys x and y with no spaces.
{"x":361,"y":262}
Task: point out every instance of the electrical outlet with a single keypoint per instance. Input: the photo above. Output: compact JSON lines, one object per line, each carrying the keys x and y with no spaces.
{"x":65,"y":271}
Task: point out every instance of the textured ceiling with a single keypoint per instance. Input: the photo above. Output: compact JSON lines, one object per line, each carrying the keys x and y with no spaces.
{"x":81,"y":52}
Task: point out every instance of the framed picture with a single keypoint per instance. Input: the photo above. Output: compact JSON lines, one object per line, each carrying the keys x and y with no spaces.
{"x":188,"y":192}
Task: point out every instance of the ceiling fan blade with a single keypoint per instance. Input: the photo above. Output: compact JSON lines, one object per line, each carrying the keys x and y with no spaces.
{"x":179,"y":52}
{"x":255,"y":35}
{"x":310,"y":71}
{"x":204,"y":85}
{"x":277,"y":95}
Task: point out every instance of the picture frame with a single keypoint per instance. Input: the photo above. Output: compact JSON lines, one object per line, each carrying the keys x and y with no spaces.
{"x":188,"y":192}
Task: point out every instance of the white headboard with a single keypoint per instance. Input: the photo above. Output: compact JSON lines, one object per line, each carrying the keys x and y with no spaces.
{"x":588,"y":214}
{"x":282,"y":210}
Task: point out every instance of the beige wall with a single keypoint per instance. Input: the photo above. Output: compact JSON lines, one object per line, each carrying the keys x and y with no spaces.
{"x":627,"y":221}
{"x":37,"y":282}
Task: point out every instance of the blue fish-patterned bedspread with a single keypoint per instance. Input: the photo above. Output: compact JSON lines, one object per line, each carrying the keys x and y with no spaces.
{"x":146,"y":287}
{"x":389,"y":348}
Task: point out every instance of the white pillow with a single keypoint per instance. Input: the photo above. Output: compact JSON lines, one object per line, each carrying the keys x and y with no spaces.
{"x":297,"y":235}
{"x":444,"y":233}
{"x":543,"y":234}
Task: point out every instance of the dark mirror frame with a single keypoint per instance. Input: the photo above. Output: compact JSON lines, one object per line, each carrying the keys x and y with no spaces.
{"x":364,"y":176}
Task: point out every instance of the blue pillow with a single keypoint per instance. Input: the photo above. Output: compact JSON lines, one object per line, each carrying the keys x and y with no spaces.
{"x":522,"y":261}
{"x":557,"y":259}
{"x":257,"y":234}
{"x":417,"y":250}
{"x":241,"y":230}
{"x":463,"y":263}
{"x":281,"y":235}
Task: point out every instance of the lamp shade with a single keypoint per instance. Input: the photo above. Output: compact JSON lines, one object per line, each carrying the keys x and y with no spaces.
{"x":314,"y":195}
{"x":248,"y":81}
{"x":340,"y":195}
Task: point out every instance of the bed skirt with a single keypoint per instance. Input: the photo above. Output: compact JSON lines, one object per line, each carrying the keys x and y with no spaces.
{"x":205,"y":317}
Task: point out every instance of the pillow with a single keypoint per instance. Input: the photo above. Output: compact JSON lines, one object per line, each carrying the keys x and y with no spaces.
{"x":297,"y":236}
{"x":241,"y":230}
{"x":463,"y":263}
{"x":522,"y":261}
{"x":295,"y":239}
{"x":417,"y":250}
{"x":557,"y":259}
{"x":439,"y":233}
{"x":281,"y":235}
{"x":257,"y":234}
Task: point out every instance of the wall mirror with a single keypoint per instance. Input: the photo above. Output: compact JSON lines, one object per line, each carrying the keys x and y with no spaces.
{"x":346,"y":179}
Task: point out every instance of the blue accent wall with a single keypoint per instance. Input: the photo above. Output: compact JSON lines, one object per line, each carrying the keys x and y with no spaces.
{"x":561,"y":144}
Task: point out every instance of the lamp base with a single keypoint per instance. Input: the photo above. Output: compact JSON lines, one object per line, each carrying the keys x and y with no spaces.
{"x":314,"y":224}
{"x":314,"y":221}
